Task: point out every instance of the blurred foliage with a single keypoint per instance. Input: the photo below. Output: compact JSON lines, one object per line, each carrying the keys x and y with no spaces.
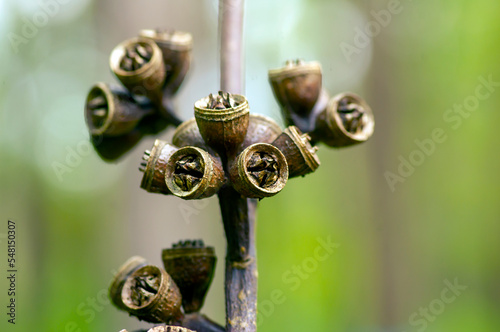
{"x":396,"y":248}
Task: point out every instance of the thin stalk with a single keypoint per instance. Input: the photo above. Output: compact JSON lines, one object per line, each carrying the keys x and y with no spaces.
{"x":238,"y":213}
{"x":231,"y":45}
{"x":238,"y":216}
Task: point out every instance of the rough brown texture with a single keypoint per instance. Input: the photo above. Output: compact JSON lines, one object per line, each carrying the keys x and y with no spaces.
{"x":298,"y":151}
{"x":192,"y":268}
{"x":176,"y":50}
{"x":238,"y":216}
{"x":223,"y":128}
{"x":347,"y":120}
{"x":112,"y":111}
{"x":259,"y":171}
{"x":115,"y":289}
{"x":192,"y":173}
{"x":222,"y":150}
{"x":150,"y":294}
{"x":154,"y":165}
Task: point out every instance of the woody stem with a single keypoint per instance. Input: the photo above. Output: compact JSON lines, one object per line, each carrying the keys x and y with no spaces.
{"x":238,"y":213}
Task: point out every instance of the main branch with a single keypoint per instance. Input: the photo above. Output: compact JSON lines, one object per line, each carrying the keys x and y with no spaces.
{"x":238,"y":213}
{"x":238,"y":216}
{"x":231,"y":45}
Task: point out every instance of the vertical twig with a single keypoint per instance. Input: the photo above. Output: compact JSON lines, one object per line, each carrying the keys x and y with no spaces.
{"x":238,"y":213}
{"x":238,"y":216}
{"x":231,"y":45}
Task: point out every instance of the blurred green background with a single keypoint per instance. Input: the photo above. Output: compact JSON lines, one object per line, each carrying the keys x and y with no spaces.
{"x":408,"y":220}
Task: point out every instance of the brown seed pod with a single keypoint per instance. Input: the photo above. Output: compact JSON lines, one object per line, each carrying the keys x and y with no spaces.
{"x":153,"y":165}
{"x":347,"y":120}
{"x":176,"y":48}
{"x":138,"y":64}
{"x":167,"y":328}
{"x":111,"y":111}
{"x":192,"y":173}
{"x":188,"y":134}
{"x":260,"y":171}
{"x":192,"y":266}
{"x":297,"y":86}
{"x":151,"y":295}
{"x":261,"y":129}
{"x":115,"y":289}
{"x":223,"y":121}
{"x":300,"y":155}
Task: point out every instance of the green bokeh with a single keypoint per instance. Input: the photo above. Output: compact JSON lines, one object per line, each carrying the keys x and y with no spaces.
{"x":396,"y":247}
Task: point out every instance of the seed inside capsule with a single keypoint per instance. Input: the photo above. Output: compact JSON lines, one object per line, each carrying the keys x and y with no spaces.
{"x":351,"y":114}
{"x":221,"y":101}
{"x":98,"y":106}
{"x":136,"y":56}
{"x":143,"y":289}
{"x":188,"y":172}
{"x":189,"y":244}
{"x":263,"y":168}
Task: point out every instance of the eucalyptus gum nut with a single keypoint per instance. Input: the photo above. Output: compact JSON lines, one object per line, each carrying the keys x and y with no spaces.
{"x":188,"y":134}
{"x":331,"y":127}
{"x":298,"y":151}
{"x":201,"y":177}
{"x":176,"y":47}
{"x":150,"y":294}
{"x":192,"y":269}
{"x":223,"y":129}
{"x":297,"y":86}
{"x":155,"y":164}
{"x":111,"y":111}
{"x":169,"y":329}
{"x":261,"y":129}
{"x":259,"y":171}
{"x":141,"y":76}
{"x":115,"y":289}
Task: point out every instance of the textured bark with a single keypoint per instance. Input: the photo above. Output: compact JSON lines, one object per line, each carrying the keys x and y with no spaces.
{"x":238,"y":216}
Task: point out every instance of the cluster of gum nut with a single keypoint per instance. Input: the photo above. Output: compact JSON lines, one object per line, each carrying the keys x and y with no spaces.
{"x":223,"y":145}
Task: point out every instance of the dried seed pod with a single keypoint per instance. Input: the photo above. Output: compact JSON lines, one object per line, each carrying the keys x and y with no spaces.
{"x":261,"y":129}
{"x":153,"y":165}
{"x":191,"y":265}
{"x":138,"y":64}
{"x":167,"y":328}
{"x":115,"y":289}
{"x":176,"y":48}
{"x":260,"y":171}
{"x":300,"y":155}
{"x":223,"y":121}
{"x":297,"y":87}
{"x":111,"y":111}
{"x":347,"y":120}
{"x":192,"y":173}
{"x":188,"y":134}
{"x":150,"y":294}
